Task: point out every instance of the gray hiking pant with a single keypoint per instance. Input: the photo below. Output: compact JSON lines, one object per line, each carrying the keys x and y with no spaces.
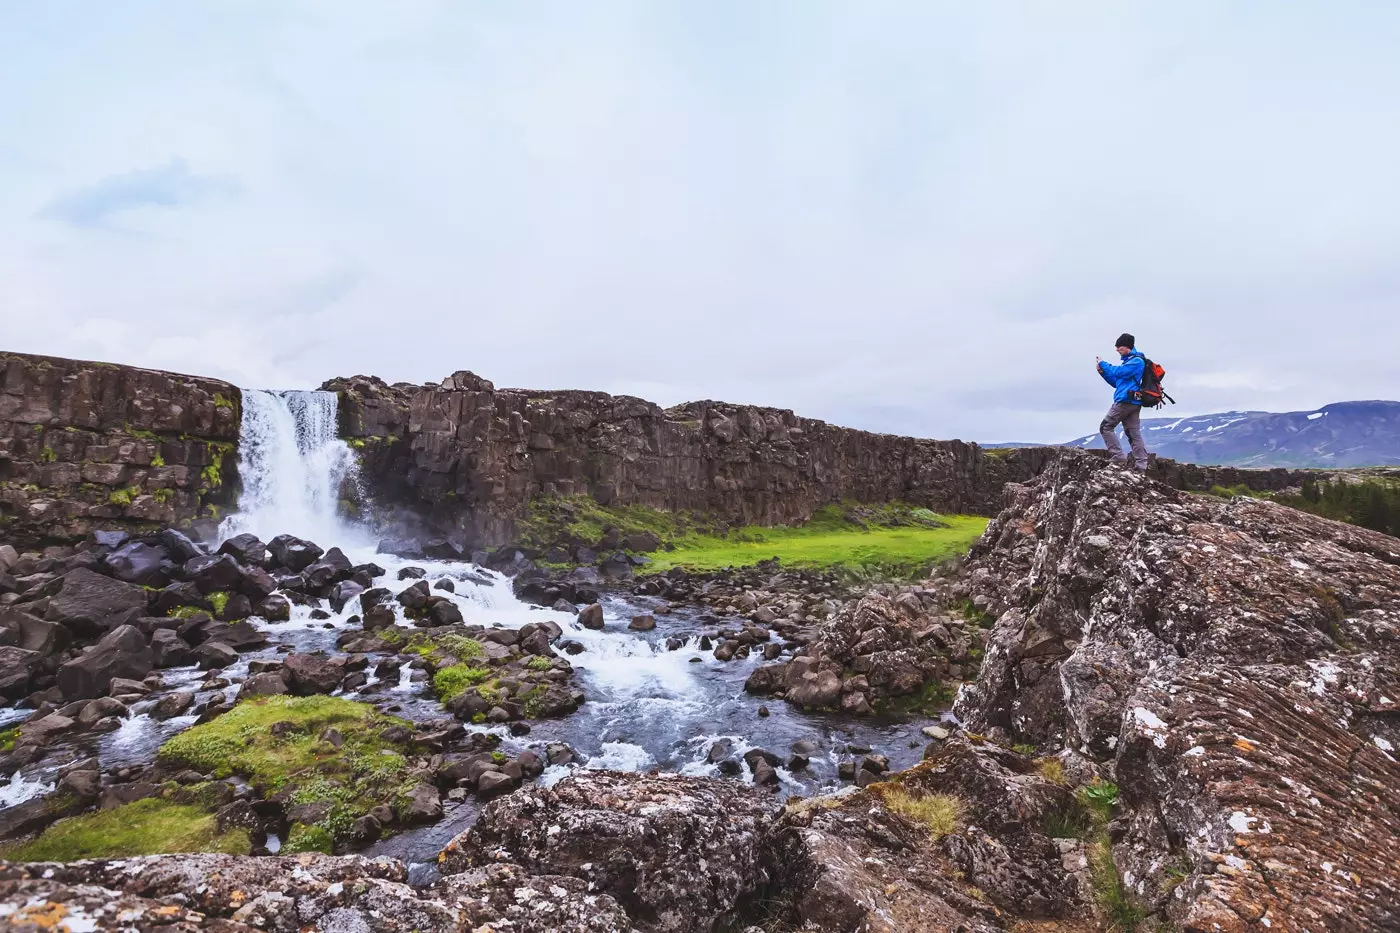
{"x":1129,"y":416}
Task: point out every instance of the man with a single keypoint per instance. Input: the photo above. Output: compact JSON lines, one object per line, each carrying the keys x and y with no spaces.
{"x":1126,"y":379}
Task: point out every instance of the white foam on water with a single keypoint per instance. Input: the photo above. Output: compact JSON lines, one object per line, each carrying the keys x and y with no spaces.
{"x":620,"y":756}
{"x":21,"y":789}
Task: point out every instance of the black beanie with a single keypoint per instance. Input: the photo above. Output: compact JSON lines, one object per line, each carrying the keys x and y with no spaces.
{"x":1126,"y":340}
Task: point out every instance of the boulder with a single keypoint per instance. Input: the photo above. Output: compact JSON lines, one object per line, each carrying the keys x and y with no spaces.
{"x":269,"y":683}
{"x":415,"y":597}
{"x":32,"y":633}
{"x":178,"y":596}
{"x":247,"y":549}
{"x":212,"y":573}
{"x":308,"y":674}
{"x":293,"y":553}
{"x":255,"y":582}
{"x":17,"y":666}
{"x":123,"y":652}
{"x":172,"y":704}
{"x":169,"y":648}
{"x":642,"y":623}
{"x":215,"y":655}
{"x":274,"y":608}
{"x":140,"y":563}
{"x":341,"y":593}
{"x":177,"y":544}
{"x":90,"y":603}
{"x":591,"y":616}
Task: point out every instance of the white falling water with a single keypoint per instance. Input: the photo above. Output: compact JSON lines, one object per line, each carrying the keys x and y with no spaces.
{"x":292,"y":464}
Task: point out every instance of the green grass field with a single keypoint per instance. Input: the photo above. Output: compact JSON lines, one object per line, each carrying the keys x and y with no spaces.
{"x":899,"y":549}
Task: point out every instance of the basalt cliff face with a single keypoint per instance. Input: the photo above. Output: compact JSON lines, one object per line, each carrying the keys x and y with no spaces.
{"x":1235,"y":665}
{"x":94,"y":445}
{"x":463,"y":458}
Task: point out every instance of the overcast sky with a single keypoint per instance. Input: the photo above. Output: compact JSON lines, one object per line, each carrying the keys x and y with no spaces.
{"x":918,"y":217}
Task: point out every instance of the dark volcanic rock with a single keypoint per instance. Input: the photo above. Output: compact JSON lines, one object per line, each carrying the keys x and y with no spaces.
{"x":246,"y":549}
{"x":140,"y":563}
{"x":90,"y":603}
{"x":123,"y":652}
{"x":293,"y":553}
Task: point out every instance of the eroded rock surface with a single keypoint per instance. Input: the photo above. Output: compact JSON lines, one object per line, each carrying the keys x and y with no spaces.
{"x":1234,"y":663}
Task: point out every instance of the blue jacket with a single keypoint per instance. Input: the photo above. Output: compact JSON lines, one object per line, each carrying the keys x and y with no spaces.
{"x":1126,"y":377}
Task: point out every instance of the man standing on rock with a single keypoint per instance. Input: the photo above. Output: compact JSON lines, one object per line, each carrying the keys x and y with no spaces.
{"x":1126,"y":379}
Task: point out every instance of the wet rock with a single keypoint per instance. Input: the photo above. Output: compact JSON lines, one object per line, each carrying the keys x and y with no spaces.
{"x":412,"y":573}
{"x":255,"y":583}
{"x":213,"y":573}
{"x":274,"y":608}
{"x":642,"y":623}
{"x":172,"y":704}
{"x":415,"y":597}
{"x":179,"y":595}
{"x":214,"y":655}
{"x":591,"y":616}
{"x":124,"y":652}
{"x":246,"y":549}
{"x":341,"y":593}
{"x":293,"y":553}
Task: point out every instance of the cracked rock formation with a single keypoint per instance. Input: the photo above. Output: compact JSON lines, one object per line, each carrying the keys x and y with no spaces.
{"x":1234,"y":663}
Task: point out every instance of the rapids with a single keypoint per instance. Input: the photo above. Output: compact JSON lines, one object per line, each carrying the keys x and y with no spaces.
{"x":647,"y":707}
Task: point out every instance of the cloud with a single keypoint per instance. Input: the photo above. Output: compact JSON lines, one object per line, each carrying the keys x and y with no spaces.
{"x":919,"y":216}
{"x":169,"y":186}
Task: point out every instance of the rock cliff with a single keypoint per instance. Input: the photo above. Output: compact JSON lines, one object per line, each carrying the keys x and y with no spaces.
{"x":92,"y":445}
{"x":464,"y":458}
{"x":1234,"y":664}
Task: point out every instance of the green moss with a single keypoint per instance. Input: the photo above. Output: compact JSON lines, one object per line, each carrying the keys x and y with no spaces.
{"x":157,"y":461}
{"x":303,"y":838}
{"x":122,"y":497}
{"x":362,"y":772}
{"x":223,"y":401}
{"x":356,"y":443}
{"x":47,"y":455}
{"x":218,"y":600}
{"x":539,"y":664}
{"x":454,"y":680}
{"x":186,"y":612}
{"x":163,"y":495}
{"x":146,"y":827}
{"x":144,"y":435}
{"x":7,"y":738}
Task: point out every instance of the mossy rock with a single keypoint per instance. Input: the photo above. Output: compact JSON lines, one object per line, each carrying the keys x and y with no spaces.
{"x":276,"y":744}
{"x":145,"y":827}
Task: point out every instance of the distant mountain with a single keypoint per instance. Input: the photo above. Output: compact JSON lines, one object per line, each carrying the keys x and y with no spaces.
{"x":1347,"y":434}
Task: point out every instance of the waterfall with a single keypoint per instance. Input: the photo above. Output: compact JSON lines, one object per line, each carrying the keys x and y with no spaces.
{"x":292,"y":465}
